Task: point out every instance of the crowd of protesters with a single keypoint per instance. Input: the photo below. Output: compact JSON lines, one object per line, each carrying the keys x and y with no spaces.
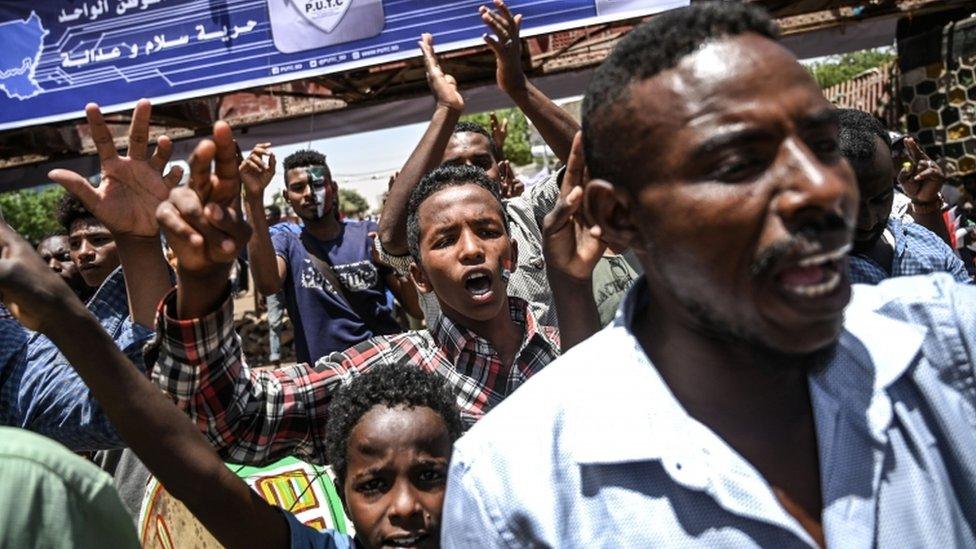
{"x":764,"y":303}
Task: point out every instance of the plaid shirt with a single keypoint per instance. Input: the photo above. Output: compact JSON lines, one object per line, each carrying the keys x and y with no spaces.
{"x":257,"y":417}
{"x":918,"y":251}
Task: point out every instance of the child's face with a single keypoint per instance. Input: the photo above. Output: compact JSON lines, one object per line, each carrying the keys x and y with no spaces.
{"x":464,"y":250}
{"x":396,"y":475}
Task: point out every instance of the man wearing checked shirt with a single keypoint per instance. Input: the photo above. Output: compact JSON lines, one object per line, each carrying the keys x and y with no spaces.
{"x":485,"y":345}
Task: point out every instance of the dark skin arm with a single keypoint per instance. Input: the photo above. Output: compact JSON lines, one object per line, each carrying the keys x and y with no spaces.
{"x":426,"y":156}
{"x":572,"y":251}
{"x":922,"y":183}
{"x":125,"y":201}
{"x":401,"y":286}
{"x":268,"y":269}
{"x":555,"y":125}
{"x":163,"y":438}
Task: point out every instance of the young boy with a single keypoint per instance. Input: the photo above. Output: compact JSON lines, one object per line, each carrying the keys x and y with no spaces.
{"x":485,"y":345}
{"x":390,"y":439}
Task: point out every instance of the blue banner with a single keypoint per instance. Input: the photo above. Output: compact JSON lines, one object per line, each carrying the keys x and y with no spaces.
{"x":57,"y":56}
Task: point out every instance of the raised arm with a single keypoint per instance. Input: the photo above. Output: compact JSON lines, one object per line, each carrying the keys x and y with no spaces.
{"x":125,"y":201}
{"x":922,"y":183}
{"x":268,"y":269}
{"x":555,"y":125}
{"x":572,"y":251}
{"x":427,"y":155}
{"x":161,"y":436}
{"x":250,"y":416}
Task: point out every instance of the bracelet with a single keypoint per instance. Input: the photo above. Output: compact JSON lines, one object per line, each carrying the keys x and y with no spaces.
{"x":932,"y":206}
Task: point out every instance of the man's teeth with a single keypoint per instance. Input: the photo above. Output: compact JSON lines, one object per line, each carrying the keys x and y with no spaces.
{"x":826,"y":257}
{"x":816,"y":290}
{"x":405,"y":542}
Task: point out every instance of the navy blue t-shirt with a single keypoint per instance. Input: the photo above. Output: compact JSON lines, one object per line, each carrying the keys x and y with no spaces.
{"x":323,"y":322}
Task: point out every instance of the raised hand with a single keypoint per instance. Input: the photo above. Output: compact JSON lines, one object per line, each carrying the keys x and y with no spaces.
{"x":37,"y":296}
{"x":256,"y":174}
{"x":499,"y":132}
{"x":506,"y":46}
{"x":442,"y":85}
{"x":923,"y":180}
{"x":511,"y":185}
{"x":203,"y":222}
{"x":572,"y":250}
{"x":132,"y":186}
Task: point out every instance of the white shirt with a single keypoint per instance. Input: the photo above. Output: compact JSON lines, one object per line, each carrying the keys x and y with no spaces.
{"x":596,"y":451}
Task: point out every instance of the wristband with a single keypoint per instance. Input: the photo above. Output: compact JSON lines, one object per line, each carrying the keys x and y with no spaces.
{"x":932,"y":206}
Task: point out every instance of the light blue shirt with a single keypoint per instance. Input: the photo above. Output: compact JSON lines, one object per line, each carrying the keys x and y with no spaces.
{"x":595,"y":451}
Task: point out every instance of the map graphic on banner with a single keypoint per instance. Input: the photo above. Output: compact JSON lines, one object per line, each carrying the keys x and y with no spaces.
{"x":57,"y":56}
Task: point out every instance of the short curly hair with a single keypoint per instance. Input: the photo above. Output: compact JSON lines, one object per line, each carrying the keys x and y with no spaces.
{"x":651,"y":48}
{"x":857,"y":132}
{"x":474,"y":127}
{"x":303,"y":159}
{"x":389,"y":385}
{"x":438,"y":180}
{"x":70,"y":209}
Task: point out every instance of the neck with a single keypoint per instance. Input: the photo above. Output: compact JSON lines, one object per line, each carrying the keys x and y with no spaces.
{"x":503,"y":333}
{"x":326,"y":228}
{"x":728,"y":385}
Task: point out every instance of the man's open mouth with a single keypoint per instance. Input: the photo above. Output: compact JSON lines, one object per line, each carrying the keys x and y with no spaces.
{"x":412,"y":540}
{"x":478,"y":284}
{"x":815,"y":275}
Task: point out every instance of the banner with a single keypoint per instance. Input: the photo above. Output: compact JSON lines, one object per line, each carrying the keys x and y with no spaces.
{"x":57,"y":56}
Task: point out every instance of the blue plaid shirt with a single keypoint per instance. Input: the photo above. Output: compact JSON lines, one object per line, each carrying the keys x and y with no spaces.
{"x":918,"y":251}
{"x":40,"y":390}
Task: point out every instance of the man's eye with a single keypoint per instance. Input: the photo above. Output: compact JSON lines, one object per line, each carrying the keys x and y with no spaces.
{"x":431,"y":475}
{"x":739,"y":169}
{"x":442,"y":243}
{"x":483,"y":162}
{"x":371,"y":486}
{"x":489,"y":233}
{"x":63,"y":256}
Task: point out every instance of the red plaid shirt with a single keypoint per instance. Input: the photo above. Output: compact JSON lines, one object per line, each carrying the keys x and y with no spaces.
{"x":257,"y":417}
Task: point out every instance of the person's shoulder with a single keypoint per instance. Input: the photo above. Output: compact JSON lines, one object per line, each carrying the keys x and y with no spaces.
{"x":531,"y":417}
{"x":48,"y":456}
{"x":926,"y":300}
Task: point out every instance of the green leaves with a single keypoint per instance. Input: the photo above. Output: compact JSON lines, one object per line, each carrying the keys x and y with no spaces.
{"x":32,"y":212}
{"x":845,"y":67}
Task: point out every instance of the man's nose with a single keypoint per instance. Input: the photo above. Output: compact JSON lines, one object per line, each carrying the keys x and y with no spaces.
{"x":471,"y":249}
{"x":405,"y":504}
{"x":812,"y":185}
{"x":54,"y":264}
{"x":86,"y":250}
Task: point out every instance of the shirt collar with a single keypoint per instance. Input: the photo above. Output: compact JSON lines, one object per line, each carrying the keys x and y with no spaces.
{"x":613,"y":432}
{"x":110,"y":303}
{"x":454,"y":339}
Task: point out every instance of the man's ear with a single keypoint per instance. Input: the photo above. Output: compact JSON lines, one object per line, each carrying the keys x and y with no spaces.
{"x":611,"y":209}
{"x":420,"y":278}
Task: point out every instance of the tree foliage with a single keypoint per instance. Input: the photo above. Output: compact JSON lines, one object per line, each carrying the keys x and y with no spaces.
{"x":352,"y":203}
{"x":517,"y":149}
{"x":844,"y":67}
{"x":32,"y":212}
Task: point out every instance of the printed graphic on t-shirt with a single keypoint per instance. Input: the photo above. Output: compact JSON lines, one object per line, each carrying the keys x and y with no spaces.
{"x":358,"y":276}
{"x":312,"y":278}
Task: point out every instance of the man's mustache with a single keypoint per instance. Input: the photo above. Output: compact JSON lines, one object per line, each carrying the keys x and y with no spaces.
{"x":810,"y":235}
